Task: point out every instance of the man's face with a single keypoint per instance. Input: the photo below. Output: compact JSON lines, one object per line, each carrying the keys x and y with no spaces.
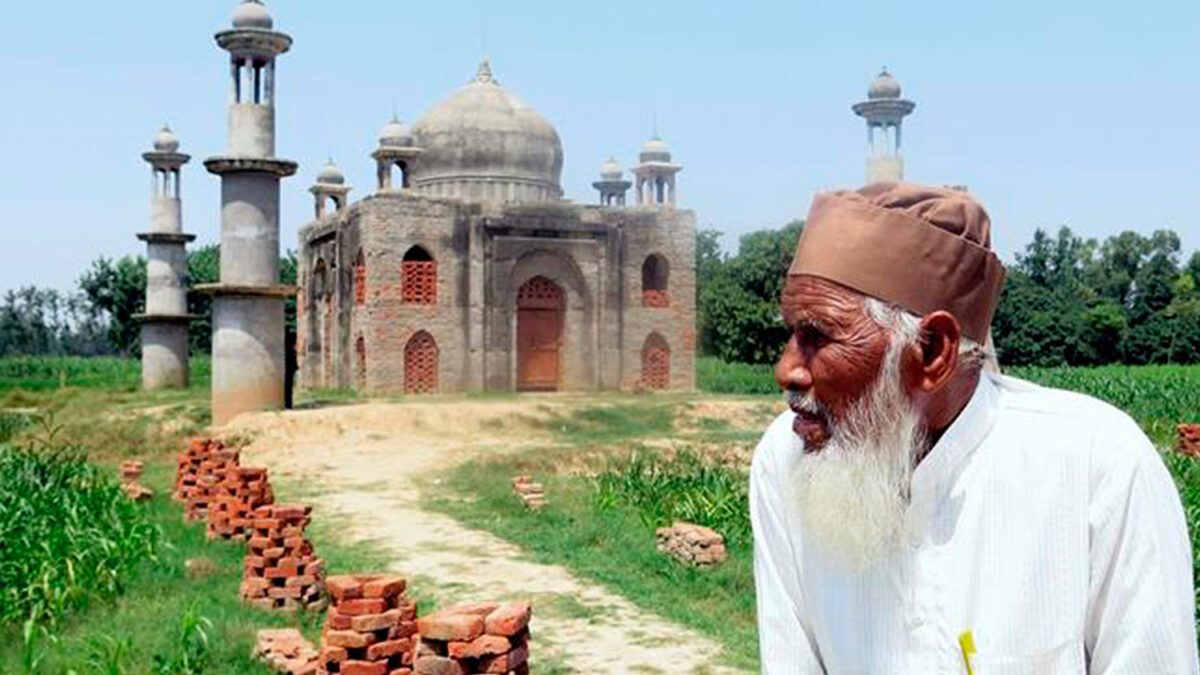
{"x":833,"y":355}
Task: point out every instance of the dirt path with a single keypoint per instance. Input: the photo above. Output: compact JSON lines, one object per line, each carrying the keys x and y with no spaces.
{"x":363,"y":464}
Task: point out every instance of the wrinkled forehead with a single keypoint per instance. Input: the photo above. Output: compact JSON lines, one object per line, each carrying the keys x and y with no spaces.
{"x":814,"y":299}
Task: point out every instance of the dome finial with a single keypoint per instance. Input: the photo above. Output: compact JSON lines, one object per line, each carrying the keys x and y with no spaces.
{"x":484,"y":74}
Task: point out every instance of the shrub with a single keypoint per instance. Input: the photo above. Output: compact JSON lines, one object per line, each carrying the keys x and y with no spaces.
{"x":68,"y":534}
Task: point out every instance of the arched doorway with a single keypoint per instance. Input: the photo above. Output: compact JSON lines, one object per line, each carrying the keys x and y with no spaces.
{"x":421,"y":364}
{"x":540,"y":304}
{"x":656,"y":363}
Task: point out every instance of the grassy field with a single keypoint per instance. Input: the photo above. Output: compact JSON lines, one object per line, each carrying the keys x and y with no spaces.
{"x":614,"y":472}
{"x":41,"y":373}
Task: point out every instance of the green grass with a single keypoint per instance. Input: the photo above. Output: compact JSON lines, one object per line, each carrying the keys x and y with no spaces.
{"x":721,"y":377}
{"x":610,"y":544}
{"x":40,"y":373}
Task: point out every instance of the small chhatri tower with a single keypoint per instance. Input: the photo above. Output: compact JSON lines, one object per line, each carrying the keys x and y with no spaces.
{"x":330,"y":187}
{"x":884,"y":112}
{"x":612,"y":184}
{"x":396,"y":152}
{"x":655,"y":174}
{"x":248,"y":317}
{"x":165,"y":323}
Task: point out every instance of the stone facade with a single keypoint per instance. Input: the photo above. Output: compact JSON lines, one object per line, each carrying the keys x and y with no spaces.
{"x":612,"y":330}
{"x":469,"y":272}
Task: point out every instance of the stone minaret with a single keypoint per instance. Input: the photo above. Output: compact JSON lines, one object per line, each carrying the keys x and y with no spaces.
{"x":330,"y":185}
{"x":884,"y":111}
{"x":165,"y":323}
{"x":612,"y":184}
{"x":655,"y":174}
{"x":248,"y":329}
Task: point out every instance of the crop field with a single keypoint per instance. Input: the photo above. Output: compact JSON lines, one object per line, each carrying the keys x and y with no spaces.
{"x":40,"y":373}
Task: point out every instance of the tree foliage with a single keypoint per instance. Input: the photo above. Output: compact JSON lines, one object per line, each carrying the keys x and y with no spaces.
{"x":1066,"y":300}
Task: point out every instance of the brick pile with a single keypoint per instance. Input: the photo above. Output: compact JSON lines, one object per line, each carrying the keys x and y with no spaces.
{"x":371,"y":628}
{"x":1189,"y":440}
{"x":241,"y":490}
{"x":531,"y":494}
{"x":201,"y":466}
{"x":279,"y":570}
{"x":692,"y":544}
{"x":131,"y":484}
{"x":476,"y":638}
{"x":285,"y":650}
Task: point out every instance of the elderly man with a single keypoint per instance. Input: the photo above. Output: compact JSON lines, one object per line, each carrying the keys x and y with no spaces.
{"x":912,"y":513}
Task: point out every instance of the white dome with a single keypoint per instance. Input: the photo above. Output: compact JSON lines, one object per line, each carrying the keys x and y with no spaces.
{"x":331,"y":175}
{"x":655,"y":150}
{"x":395,"y":134}
{"x":884,"y":86}
{"x":165,"y":140}
{"x":252,"y":14}
{"x":482,"y":134}
{"x":610,"y":170}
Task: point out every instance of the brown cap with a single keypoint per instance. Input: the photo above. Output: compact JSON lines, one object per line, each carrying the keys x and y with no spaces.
{"x":922,"y":248}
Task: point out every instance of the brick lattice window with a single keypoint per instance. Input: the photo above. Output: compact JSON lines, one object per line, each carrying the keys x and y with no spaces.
{"x":656,"y":363}
{"x":655,"y":275}
{"x":419,"y":270}
{"x":360,"y":356}
{"x":360,"y":279}
{"x":421,"y":365}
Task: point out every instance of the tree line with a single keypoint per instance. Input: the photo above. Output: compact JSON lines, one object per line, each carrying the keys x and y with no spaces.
{"x":97,"y":317}
{"x":1067,"y":300}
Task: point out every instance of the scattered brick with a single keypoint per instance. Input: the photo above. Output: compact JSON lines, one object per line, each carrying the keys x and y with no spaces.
{"x":1189,"y":440}
{"x":478,"y":638}
{"x":285,"y":650}
{"x":531,"y":494}
{"x":371,"y":634}
{"x":692,"y":544}
{"x":130,"y":471}
{"x":278,"y":575}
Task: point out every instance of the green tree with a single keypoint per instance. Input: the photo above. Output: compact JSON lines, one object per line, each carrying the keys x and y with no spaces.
{"x":118,"y":290}
{"x":204,"y":267}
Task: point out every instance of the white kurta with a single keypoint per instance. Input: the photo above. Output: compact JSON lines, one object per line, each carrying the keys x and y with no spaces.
{"x":1043,"y":522}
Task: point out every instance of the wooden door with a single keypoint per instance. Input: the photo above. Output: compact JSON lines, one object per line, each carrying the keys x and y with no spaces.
{"x":539,"y":335}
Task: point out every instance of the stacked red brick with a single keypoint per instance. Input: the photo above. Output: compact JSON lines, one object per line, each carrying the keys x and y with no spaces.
{"x":241,"y":490}
{"x":692,"y":544}
{"x":1189,"y":440}
{"x":531,"y":494}
{"x":201,"y":467}
{"x":279,"y":570}
{"x":371,"y":628}
{"x":131,"y":484}
{"x":478,"y":638}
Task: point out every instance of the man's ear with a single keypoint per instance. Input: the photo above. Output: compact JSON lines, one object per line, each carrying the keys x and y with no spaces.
{"x":940,"y":337}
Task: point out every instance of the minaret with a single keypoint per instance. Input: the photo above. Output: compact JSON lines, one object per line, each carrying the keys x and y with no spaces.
{"x":396,"y":150}
{"x":884,"y":111}
{"x":248,"y":328}
{"x":612,"y":184}
{"x":165,"y":323}
{"x":655,"y":174}
{"x":331,"y":184}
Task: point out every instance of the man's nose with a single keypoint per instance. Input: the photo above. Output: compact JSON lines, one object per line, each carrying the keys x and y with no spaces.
{"x":791,"y":372}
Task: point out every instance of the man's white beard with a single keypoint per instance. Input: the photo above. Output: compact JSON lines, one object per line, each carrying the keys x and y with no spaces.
{"x":852,"y":494}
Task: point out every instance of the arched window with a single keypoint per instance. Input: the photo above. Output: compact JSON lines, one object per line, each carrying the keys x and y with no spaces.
{"x":360,"y":279}
{"x":360,"y":360}
{"x":655,"y":276}
{"x":656,"y":363}
{"x":419,"y":269}
{"x":421,"y":364}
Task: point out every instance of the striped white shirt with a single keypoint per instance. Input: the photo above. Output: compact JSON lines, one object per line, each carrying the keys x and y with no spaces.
{"x":1043,"y":522}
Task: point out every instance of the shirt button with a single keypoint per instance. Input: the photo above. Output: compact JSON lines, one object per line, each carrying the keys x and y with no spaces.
{"x":916,"y":621}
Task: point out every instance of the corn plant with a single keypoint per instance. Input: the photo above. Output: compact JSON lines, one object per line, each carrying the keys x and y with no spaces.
{"x":684,"y":487}
{"x":67,"y":534}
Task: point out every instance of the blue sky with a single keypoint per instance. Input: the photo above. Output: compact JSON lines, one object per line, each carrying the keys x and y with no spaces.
{"x":1052,"y":112}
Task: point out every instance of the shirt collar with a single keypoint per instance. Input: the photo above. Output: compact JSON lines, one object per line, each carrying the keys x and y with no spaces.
{"x":959,"y":441}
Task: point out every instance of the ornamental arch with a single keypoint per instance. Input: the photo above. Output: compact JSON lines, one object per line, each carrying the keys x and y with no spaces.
{"x":656,"y":362}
